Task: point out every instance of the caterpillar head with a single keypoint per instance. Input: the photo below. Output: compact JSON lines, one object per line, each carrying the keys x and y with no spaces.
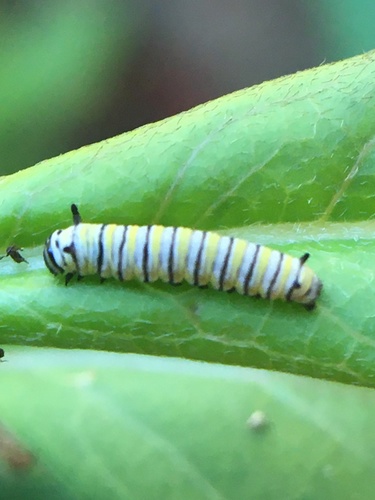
{"x":57,"y":253}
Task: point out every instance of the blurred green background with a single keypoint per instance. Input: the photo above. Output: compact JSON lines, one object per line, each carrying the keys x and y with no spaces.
{"x":76,"y":72}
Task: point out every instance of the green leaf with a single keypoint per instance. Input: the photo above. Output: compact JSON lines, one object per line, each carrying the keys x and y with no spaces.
{"x":289,"y":163}
{"x":104,"y":425}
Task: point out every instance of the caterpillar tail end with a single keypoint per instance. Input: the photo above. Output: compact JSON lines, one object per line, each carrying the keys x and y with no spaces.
{"x":315,"y":292}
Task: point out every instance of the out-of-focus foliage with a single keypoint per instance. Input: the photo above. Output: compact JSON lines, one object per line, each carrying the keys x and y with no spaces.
{"x":346,"y":28}
{"x":55,"y":67}
{"x":76,"y":72}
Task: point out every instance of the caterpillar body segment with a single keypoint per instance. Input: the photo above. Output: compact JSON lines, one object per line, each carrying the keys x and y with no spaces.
{"x":176,"y":254}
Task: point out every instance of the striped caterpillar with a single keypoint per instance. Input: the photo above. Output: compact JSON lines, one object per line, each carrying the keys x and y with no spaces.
{"x":174,"y":254}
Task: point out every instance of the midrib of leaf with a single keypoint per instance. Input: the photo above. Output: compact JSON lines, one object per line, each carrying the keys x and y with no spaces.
{"x":288,"y":163}
{"x":336,"y":341}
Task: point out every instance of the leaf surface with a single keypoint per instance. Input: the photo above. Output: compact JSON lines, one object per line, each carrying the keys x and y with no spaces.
{"x":289,"y":163}
{"x":105,"y":425}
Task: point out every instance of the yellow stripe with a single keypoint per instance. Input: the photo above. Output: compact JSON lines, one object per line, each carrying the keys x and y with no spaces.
{"x":235,"y":264}
{"x":261,"y":266}
{"x":283,"y":276}
{"x":307,"y":280}
{"x":208,"y":258}
{"x":154,"y":249}
{"x":180,"y":269}
{"x":130,"y":249}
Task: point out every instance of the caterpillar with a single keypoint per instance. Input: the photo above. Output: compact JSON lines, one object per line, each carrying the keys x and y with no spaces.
{"x":174,"y":254}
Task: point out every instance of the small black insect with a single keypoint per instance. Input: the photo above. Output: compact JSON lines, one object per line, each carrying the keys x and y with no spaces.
{"x":14,"y":253}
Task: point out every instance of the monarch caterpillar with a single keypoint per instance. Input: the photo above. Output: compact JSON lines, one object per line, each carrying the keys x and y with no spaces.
{"x":174,"y":254}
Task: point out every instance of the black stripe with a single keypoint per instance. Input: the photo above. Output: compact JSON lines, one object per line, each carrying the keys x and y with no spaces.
{"x":275,"y":276}
{"x":99,"y":262}
{"x":288,"y":295}
{"x":50,"y":261}
{"x":73,"y":250}
{"x":120,"y":271}
{"x":295,"y":284}
{"x":289,"y":292}
{"x":198,"y":262}
{"x":223,"y":271}
{"x":171,"y":256}
{"x":145,"y":256}
{"x":251,"y":270}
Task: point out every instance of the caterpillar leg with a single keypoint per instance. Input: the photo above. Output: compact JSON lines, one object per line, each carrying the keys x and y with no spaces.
{"x":68,"y":277}
{"x":310,"y":307}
